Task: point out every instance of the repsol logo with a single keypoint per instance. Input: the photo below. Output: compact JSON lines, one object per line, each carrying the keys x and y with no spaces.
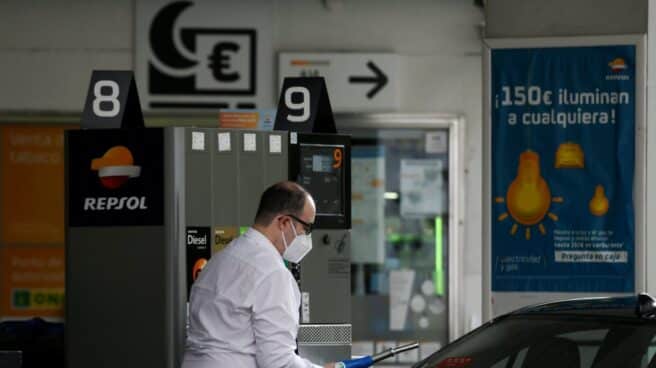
{"x":196,"y":240}
{"x":114,"y":203}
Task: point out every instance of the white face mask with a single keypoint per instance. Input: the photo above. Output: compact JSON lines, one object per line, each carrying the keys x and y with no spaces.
{"x":300,"y":246}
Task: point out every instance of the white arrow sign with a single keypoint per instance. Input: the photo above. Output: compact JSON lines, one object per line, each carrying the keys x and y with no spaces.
{"x":357,"y":82}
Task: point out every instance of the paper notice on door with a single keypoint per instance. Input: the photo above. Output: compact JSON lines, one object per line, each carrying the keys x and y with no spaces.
{"x":436,"y":142}
{"x":368,"y":205}
{"x":400,"y":290}
{"x":422,"y":188}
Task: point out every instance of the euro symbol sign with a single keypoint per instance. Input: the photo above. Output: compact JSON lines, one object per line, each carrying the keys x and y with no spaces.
{"x":220,"y":61}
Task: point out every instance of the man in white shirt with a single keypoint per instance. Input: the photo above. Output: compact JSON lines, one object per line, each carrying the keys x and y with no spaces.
{"x":244,"y":306}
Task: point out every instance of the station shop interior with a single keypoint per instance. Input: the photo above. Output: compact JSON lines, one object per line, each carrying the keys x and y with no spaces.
{"x":439,"y":106}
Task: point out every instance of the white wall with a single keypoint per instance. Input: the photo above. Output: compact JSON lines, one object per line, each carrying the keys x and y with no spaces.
{"x":48,"y":50}
{"x":554,"y":18}
{"x":651,"y":149}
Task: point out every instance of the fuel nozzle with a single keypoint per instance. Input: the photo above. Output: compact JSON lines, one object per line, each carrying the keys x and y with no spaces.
{"x":369,"y":360}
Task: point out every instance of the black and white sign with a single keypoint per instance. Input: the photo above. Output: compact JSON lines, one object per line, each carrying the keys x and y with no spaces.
{"x":304,"y":106}
{"x":203,"y":54}
{"x":115,"y":177}
{"x":198,"y":252}
{"x":112,"y":101}
{"x":356,"y":82}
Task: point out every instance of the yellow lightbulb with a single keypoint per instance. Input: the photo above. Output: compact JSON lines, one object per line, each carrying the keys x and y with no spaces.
{"x":599,"y":203}
{"x":528,"y":196}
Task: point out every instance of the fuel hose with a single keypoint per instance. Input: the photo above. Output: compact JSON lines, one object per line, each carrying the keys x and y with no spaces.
{"x":369,"y":360}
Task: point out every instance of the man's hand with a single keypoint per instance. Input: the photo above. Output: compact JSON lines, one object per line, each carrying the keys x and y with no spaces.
{"x":333,"y":365}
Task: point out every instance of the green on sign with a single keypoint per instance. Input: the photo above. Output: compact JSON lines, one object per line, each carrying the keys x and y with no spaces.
{"x":21,"y":299}
{"x":38,"y":298}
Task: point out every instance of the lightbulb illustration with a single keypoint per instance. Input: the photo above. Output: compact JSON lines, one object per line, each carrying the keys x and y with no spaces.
{"x":528,"y":198}
{"x":599,"y":203}
{"x":569,"y":155}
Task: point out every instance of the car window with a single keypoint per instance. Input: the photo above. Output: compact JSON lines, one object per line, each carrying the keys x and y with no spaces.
{"x":649,"y":360}
{"x":552,"y":341}
{"x":514,"y":361}
{"x":587,"y":344}
{"x":501,"y":364}
{"x":520,"y":358}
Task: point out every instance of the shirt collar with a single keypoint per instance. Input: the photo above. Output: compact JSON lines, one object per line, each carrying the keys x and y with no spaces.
{"x":262,"y":240}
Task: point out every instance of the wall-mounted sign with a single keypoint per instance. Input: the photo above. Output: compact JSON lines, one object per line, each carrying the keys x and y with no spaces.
{"x":112,"y":101}
{"x":304,"y":106}
{"x":563,"y":123}
{"x":203,"y":54}
{"x":258,"y":119}
{"x":32,"y":186}
{"x":115,"y":177}
{"x":33,"y":282}
{"x":356,"y":81}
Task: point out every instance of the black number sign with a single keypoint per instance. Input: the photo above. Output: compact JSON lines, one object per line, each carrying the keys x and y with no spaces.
{"x":304,"y":106}
{"x":112,"y":101}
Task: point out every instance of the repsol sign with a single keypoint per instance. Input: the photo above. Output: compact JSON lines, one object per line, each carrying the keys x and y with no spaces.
{"x":115,"y":203}
{"x":115,"y":177}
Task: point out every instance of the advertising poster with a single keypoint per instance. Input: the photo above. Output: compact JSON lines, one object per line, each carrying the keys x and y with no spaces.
{"x":32,"y":185}
{"x":563,"y":158}
{"x":33,"y":282}
{"x":257,"y":119}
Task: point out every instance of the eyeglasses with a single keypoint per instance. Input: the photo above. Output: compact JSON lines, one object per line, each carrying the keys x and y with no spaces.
{"x":307,"y":226}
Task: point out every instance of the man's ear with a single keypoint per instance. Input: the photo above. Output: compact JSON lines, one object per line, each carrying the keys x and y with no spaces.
{"x":282,"y":221}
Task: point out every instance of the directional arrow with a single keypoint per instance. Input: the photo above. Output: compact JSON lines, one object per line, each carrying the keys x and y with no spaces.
{"x":379,"y":78}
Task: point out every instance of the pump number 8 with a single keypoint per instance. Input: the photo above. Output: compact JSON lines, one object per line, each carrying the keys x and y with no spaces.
{"x":111,"y":98}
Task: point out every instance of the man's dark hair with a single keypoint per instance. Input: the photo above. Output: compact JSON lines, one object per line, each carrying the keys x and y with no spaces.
{"x":281,"y":198}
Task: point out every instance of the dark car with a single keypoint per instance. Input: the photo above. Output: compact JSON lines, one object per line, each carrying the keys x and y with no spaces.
{"x":580,"y":333}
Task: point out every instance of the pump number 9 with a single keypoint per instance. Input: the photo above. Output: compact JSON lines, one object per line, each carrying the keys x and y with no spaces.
{"x":303,"y":106}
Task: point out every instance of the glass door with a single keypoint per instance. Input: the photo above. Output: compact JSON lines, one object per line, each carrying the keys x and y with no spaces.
{"x":400,"y":236}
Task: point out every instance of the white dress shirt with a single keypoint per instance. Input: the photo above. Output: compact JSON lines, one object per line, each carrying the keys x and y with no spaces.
{"x":243,"y":309}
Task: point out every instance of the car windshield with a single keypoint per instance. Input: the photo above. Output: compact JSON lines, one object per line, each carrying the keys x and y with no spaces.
{"x":552,"y":341}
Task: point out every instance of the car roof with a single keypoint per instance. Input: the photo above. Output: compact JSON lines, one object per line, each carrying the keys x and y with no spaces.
{"x":624,"y":307}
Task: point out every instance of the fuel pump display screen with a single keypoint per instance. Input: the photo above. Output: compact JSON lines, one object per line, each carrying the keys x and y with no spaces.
{"x":322,"y":175}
